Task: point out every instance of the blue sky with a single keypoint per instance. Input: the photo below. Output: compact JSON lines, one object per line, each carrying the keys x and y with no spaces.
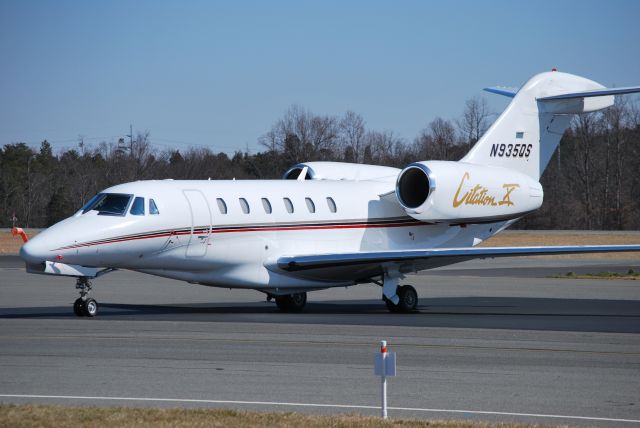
{"x":220,"y":74}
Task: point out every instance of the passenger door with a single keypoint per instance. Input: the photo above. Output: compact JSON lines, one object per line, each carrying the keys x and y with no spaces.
{"x":200,"y":223}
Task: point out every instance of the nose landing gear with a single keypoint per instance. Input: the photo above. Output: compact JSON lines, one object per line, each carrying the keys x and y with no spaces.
{"x":83,"y":306}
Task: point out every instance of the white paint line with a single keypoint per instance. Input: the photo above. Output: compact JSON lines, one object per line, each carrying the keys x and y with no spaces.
{"x":337,"y":406}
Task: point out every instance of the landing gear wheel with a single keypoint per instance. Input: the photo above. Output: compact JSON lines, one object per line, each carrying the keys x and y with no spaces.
{"x":78,"y":307}
{"x":281,"y":302}
{"x":84,"y":306}
{"x":408,"y":300}
{"x":291,"y":302}
{"x":297,"y":301}
{"x":90,"y":307}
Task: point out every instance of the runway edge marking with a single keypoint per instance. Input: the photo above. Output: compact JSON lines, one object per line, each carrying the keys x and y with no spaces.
{"x":340,"y":406}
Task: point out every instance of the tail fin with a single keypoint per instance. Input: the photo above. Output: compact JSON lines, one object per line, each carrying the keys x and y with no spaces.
{"x":527,"y":133}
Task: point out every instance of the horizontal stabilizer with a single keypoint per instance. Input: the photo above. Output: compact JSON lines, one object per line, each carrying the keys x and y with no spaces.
{"x":594,"y":93}
{"x":502,"y":90}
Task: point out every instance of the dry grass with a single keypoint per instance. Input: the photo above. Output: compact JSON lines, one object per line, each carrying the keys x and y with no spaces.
{"x":630,"y":275}
{"x":11,"y":244}
{"x":544,"y":237}
{"x":27,"y":416}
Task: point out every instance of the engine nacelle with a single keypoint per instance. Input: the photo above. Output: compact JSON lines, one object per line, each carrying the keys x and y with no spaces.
{"x":340,"y":171}
{"x":456,"y":192}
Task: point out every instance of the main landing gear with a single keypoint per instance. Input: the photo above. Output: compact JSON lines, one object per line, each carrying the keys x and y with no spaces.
{"x":85,"y":306}
{"x":407,"y":300}
{"x":398,"y":298}
{"x":291,"y":302}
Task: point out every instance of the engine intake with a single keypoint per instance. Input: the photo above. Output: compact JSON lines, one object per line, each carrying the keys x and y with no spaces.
{"x":414,"y":185}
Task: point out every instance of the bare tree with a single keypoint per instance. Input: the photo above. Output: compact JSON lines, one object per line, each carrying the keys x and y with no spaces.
{"x":301,"y":135}
{"x":351,"y":135}
{"x":436,"y":141}
{"x":381,"y":147}
{"x":615,"y":121}
{"x":474,"y":121}
{"x":141,"y":154}
{"x":584,"y":128}
{"x":595,"y":180}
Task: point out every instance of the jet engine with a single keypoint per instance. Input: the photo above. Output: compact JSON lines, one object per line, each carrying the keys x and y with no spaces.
{"x":457,"y":192}
{"x":340,"y":171}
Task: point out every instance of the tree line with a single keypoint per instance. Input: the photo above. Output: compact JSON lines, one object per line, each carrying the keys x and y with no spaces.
{"x":590,"y":183}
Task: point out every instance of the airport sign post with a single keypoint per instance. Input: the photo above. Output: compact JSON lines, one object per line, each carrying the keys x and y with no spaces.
{"x":384,"y":364}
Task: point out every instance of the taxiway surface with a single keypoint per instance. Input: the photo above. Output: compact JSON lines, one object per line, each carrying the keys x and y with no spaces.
{"x":489,"y":337}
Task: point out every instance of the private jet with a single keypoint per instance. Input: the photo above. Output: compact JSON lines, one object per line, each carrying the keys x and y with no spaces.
{"x":329,"y":224}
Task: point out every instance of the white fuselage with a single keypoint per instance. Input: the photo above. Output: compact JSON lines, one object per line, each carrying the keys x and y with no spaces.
{"x":192,"y":238}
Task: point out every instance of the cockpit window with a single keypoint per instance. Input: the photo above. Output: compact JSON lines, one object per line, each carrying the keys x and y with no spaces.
{"x":87,"y":207}
{"x":137,"y":208}
{"x":153,"y":209}
{"x":108,"y":204}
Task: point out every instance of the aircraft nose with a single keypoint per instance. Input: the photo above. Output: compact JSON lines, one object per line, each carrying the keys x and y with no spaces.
{"x":33,"y":252}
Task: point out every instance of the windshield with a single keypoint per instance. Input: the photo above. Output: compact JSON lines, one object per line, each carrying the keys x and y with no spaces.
{"x":108,"y":204}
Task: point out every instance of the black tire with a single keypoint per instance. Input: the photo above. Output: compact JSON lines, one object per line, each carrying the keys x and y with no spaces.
{"x":78,"y":307}
{"x":408,"y":299}
{"x":90,"y":308}
{"x":283,"y":303}
{"x":297,"y":301}
{"x":292,"y":302}
{"x":392,"y":307}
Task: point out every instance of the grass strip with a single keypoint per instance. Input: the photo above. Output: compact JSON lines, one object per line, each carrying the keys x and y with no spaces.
{"x":629,"y":275}
{"x":30,"y":415}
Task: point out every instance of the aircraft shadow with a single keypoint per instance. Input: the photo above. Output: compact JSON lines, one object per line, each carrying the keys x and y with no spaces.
{"x":587,"y":315}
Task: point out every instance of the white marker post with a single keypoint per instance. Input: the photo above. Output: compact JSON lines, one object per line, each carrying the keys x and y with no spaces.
{"x":384,"y":364}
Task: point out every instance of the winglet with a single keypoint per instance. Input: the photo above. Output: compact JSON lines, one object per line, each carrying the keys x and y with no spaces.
{"x":502,"y":90}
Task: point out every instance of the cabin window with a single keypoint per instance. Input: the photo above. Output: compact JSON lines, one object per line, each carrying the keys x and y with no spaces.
{"x":108,"y":204}
{"x":153,"y":209}
{"x":332,"y":205}
{"x":244,"y":205}
{"x":310,"y":205}
{"x":288,"y":205}
{"x":266,"y":205}
{"x":222,"y":205}
{"x":137,"y":207}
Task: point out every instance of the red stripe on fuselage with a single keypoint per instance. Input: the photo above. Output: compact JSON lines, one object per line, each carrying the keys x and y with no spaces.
{"x":246,"y":229}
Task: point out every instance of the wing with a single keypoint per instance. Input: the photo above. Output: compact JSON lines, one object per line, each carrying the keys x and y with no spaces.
{"x":360,"y":266}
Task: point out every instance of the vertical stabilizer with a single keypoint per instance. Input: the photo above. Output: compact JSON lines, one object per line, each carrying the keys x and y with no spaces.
{"x":527,"y":133}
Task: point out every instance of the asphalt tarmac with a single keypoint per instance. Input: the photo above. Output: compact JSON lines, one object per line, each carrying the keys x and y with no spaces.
{"x":492,"y":340}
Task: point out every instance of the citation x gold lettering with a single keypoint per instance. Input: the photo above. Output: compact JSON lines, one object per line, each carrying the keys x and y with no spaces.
{"x":479,"y":195}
